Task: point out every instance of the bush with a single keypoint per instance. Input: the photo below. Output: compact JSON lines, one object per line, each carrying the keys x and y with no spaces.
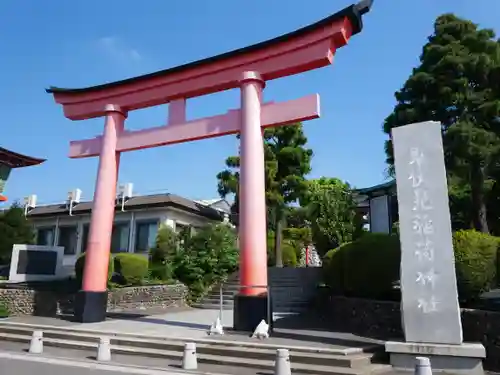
{"x":369,"y":267}
{"x":14,"y":229}
{"x":80,"y":264}
{"x":475,"y":263}
{"x":366,"y":268}
{"x":206,"y":258}
{"x":166,"y":244}
{"x":4,"y":311}
{"x":131,"y":268}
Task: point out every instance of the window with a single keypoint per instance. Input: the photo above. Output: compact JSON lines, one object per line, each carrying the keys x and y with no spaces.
{"x":145,"y":235}
{"x":45,"y":236}
{"x":68,"y":238}
{"x":120,"y":237}
{"x":85,"y":236}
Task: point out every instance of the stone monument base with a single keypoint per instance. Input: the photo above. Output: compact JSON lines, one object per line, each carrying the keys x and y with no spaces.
{"x":461,"y":359}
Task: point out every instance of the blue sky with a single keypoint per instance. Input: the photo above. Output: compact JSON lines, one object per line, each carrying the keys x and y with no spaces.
{"x":82,"y":43}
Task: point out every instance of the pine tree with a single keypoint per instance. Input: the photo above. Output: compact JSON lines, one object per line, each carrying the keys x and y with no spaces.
{"x":287,"y":162}
{"x":454,"y":85}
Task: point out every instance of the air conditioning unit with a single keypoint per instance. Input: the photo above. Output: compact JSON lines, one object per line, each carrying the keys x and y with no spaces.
{"x":125,"y":190}
{"x":74,"y":197}
{"x":29,"y":202}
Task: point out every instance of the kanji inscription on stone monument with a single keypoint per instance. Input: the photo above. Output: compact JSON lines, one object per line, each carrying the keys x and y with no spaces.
{"x":429,"y":300}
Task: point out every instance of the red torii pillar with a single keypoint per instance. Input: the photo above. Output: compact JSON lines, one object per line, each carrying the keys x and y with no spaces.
{"x":308,"y":48}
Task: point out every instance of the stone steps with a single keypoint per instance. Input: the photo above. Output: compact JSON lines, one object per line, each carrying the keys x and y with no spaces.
{"x":321,"y":361}
{"x":291,"y":290}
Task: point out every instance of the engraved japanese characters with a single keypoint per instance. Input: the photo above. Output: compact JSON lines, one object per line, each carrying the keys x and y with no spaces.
{"x":428,"y":284}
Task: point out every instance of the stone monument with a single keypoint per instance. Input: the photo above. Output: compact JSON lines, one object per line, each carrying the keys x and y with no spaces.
{"x":429,"y":300}
{"x":36,"y":263}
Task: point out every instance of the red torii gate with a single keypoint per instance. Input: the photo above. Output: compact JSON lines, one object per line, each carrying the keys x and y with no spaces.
{"x":247,"y":68}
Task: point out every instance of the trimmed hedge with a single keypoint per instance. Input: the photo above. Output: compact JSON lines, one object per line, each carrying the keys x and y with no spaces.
{"x":132,"y":268}
{"x":365,"y":268}
{"x":370,"y":266}
{"x":475,"y":263}
{"x":4,"y":311}
{"x":80,"y":264}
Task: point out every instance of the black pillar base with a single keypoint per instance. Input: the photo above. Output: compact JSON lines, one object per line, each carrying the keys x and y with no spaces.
{"x":250,"y":310}
{"x":90,"y":307}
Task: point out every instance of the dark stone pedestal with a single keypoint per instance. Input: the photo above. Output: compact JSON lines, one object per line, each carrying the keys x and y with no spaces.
{"x":90,"y":307}
{"x":250,"y":310}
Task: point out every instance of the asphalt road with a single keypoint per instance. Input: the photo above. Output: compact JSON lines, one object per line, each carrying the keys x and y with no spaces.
{"x":21,"y":367}
{"x":28,"y":365}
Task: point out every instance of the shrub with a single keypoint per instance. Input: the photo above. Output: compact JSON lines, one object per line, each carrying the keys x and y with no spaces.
{"x":4,"y":311}
{"x":206,"y":258}
{"x":131,"y":268}
{"x":475,"y":263}
{"x":166,"y":244}
{"x":80,"y":263}
{"x":161,"y":272}
{"x":369,"y":267}
{"x":366,"y":268}
{"x":14,"y":229}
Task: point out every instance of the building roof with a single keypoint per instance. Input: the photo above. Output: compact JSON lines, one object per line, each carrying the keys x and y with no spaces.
{"x":380,"y":188}
{"x":134,"y":203}
{"x":353,"y":12}
{"x":14,"y":160}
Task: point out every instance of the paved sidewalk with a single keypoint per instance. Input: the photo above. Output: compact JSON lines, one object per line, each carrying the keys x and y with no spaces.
{"x":195,"y":323}
{"x":188,"y":323}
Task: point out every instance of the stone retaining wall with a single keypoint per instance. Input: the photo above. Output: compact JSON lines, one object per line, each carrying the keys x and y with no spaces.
{"x":382,"y":320}
{"x":26,"y":301}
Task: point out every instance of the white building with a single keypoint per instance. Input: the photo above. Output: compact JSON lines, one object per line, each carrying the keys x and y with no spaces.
{"x":136,"y":223}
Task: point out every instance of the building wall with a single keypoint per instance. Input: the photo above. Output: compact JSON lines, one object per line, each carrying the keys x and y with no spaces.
{"x":175,"y":218}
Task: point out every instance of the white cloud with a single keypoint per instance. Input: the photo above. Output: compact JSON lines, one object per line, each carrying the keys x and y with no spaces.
{"x":118,"y":50}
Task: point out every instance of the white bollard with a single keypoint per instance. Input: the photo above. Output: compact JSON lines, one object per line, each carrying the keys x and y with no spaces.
{"x":189,"y":360}
{"x":423,"y":366}
{"x":103,"y":350}
{"x":282,"y":362}
{"x":36,"y":344}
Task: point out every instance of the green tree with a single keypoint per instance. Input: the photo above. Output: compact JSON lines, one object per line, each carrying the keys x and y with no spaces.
{"x":14,"y":229}
{"x":332,"y":212}
{"x":287,"y":161}
{"x":455,"y":85}
{"x":208,"y":256}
